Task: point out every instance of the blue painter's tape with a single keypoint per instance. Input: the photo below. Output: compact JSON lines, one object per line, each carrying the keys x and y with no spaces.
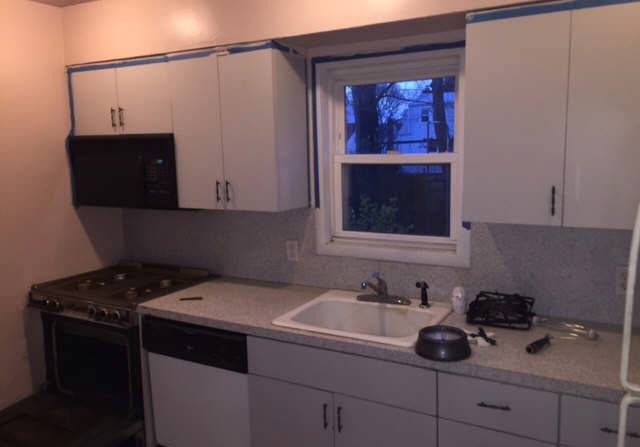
{"x":314,"y":100}
{"x":466,"y":225}
{"x":179,"y":57}
{"x":544,"y":8}
{"x":581,"y":4}
{"x":406,"y":50}
{"x":187,"y":56}
{"x":71,"y":108}
{"x":314,"y":112}
{"x":271,"y":45}
{"x":520,"y":12}
{"x":121,"y":64}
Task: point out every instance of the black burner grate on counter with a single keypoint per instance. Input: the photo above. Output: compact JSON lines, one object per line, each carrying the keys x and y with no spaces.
{"x":510,"y":311}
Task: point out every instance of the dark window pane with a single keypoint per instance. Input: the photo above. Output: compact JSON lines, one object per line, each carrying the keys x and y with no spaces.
{"x":410,"y":117}
{"x":403,"y":199}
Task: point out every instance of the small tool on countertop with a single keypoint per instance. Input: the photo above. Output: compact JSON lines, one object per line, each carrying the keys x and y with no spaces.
{"x":573,"y":329}
{"x":191,"y":298}
{"x":482,"y":338}
{"x":538,"y":345}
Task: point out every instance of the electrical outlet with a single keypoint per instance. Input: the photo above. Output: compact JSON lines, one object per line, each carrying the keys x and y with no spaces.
{"x":621,"y":280}
{"x":293,"y":253}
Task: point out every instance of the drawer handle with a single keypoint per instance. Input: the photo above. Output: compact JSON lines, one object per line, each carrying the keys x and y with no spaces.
{"x":611,"y":431}
{"x":494,"y":407}
{"x":553,"y":200}
{"x":325,"y":421}
{"x":339,"y":419}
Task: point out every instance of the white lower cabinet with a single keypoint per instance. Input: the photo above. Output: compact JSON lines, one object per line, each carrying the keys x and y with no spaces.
{"x":283,"y":414}
{"x":288,"y":415}
{"x":452,"y":434}
{"x":590,"y":423}
{"x":363,"y":423}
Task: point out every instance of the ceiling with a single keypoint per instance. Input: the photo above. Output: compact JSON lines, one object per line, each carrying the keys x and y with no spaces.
{"x":62,"y":2}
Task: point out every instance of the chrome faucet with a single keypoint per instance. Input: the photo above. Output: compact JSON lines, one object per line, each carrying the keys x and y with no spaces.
{"x":380,"y":287}
{"x":381,"y":293}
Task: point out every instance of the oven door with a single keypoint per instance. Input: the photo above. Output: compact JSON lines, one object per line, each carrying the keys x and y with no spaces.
{"x":94,"y":362}
{"x":93,"y":396}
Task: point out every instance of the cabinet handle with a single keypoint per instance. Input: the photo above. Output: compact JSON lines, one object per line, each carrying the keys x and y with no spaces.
{"x":227,"y":188}
{"x":325,"y":421}
{"x":494,"y":407}
{"x":611,"y":431}
{"x":121,"y":116}
{"x":553,"y":200}
{"x":339,"y":419}
{"x":218,"y":198}
{"x":113,"y":117}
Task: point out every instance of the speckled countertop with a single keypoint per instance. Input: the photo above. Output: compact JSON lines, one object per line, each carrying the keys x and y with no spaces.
{"x":582,"y":368}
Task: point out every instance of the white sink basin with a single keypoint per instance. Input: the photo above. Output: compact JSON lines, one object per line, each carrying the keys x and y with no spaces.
{"x":339,"y":313}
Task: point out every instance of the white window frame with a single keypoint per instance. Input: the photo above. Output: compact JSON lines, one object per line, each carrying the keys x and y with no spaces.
{"x":331,"y":239}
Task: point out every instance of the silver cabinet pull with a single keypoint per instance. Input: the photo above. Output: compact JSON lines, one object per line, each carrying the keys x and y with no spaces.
{"x":121,"y":116}
{"x":113,"y":117}
{"x":227,"y":190}
{"x":325,"y":420}
{"x":218,"y":198}
{"x":494,"y":407}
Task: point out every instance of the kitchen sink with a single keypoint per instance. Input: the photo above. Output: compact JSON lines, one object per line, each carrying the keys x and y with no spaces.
{"x":339,"y":313}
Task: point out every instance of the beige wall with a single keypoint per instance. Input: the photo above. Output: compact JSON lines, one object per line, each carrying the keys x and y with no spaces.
{"x":112,"y":29}
{"x":41,"y":235}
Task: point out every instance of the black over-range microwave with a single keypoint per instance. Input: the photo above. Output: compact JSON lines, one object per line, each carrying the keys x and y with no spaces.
{"x":125,"y":171}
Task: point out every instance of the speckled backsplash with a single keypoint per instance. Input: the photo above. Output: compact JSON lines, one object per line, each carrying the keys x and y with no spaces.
{"x":570,"y":272}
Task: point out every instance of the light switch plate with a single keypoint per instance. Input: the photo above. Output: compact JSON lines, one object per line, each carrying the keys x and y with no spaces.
{"x":621,"y":279}
{"x":293,"y":253}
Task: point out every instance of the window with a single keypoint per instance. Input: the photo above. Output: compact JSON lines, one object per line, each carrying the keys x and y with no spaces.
{"x":390,"y":158}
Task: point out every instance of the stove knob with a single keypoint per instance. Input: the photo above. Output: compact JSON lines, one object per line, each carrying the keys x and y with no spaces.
{"x":115,"y":315}
{"x":92,"y":311}
{"x":53,"y":304}
{"x":102,"y":314}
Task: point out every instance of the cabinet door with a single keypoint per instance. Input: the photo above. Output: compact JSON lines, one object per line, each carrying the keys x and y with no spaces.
{"x":144,"y":99}
{"x":286,"y":415}
{"x":363,"y":423}
{"x":515,"y":114}
{"x":248,"y":130}
{"x":196,"y":123}
{"x":589,"y":423}
{"x":95,"y":102}
{"x":603,"y":150}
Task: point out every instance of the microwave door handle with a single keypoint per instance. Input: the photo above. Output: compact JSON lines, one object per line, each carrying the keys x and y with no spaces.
{"x":628,"y":311}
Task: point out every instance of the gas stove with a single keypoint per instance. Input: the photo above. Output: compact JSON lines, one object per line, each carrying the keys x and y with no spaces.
{"x":111,"y":295}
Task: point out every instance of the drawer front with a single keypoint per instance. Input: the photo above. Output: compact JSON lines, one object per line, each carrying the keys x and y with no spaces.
{"x":211,"y":347}
{"x":384,"y":382}
{"x":508,"y":408}
{"x":453,"y":434}
{"x":590,"y":423}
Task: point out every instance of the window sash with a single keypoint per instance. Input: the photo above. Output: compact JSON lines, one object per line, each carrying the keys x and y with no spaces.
{"x":337,"y":215}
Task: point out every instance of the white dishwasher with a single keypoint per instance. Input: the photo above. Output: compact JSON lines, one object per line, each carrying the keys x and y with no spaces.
{"x":199,"y":384}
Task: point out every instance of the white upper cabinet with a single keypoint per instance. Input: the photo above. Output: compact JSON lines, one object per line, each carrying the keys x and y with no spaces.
{"x":95,"y":102}
{"x":603,"y":137}
{"x":196,"y":123}
{"x":143,"y":98}
{"x":127,"y":100}
{"x":515,"y":119}
{"x":262,"y":97}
